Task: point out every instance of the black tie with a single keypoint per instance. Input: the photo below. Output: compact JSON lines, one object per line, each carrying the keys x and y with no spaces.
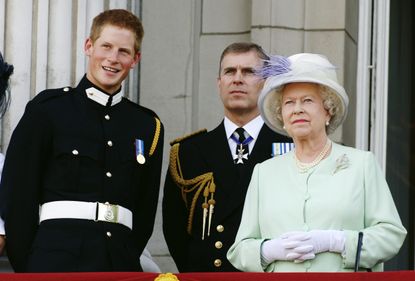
{"x":242,"y":148}
{"x":109,"y":101}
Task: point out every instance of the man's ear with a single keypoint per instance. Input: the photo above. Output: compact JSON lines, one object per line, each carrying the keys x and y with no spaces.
{"x":137,"y":58}
{"x":88,"y":46}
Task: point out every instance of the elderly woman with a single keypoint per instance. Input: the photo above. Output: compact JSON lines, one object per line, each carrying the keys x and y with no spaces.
{"x":326,"y":196}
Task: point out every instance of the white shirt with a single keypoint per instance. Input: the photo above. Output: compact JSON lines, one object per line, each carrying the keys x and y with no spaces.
{"x":252,"y":128}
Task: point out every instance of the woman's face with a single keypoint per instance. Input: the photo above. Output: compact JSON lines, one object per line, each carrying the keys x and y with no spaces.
{"x":303,"y":111}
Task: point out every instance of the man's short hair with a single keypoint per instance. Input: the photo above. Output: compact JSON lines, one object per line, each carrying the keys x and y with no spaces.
{"x":120,"y":18}
{"x":243,"y":47}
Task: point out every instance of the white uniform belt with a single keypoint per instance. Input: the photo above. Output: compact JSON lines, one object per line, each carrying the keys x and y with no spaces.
{"x":86,"y":210}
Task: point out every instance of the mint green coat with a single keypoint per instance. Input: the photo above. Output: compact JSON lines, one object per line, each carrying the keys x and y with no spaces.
{"x":346,"y":191}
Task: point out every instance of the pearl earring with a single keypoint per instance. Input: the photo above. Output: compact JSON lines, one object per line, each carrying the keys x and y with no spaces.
{"x":283,"y":127}
{"x":327,"y":123}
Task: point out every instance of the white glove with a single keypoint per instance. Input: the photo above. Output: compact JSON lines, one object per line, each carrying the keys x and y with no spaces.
{"x":286,"y":248}
{"x":328,"y":241}
{"x":320,"y":240}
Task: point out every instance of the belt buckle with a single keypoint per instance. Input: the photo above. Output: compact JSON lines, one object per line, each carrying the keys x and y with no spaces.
{"x":108,"y":212}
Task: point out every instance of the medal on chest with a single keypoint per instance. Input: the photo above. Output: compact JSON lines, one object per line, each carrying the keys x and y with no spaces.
{"x":139,"y":151}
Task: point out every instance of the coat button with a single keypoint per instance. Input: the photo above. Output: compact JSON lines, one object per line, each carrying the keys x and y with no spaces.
{"x":217,"y":262}
{"x":107,"y":117}
{"x":109,"y":234}
{"x":108,"y":174}
{"x":109,"y":143}
{"x":218,"y":245}
{"x":66,"y":89}
{"x":75,"y":152}
{"x":220,"y":228}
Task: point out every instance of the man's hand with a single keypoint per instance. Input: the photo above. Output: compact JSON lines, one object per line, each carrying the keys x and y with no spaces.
{"x":2,"y":243}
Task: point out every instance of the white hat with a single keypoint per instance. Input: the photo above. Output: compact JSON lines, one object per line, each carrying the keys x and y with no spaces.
{"x":302,"y":67}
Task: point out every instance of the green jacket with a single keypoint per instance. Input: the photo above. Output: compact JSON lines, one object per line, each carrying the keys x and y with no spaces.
{"x":346,"y":191}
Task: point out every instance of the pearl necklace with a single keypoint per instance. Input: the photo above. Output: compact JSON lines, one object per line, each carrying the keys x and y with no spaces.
{"x":304,"y":167}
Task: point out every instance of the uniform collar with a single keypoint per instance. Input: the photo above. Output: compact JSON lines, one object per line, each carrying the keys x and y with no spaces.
{"x":102,"y":97}
{"x":252,"y":127}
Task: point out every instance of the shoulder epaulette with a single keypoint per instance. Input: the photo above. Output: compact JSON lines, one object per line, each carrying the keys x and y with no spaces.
{"x":50,"y":93}
{"x":142,"y":108}
{"x":202,"y":131}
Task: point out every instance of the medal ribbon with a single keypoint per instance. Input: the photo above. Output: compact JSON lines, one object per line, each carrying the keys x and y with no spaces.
{"x":245,"y":142}
{"x":280,"y":148}
{"x":139,"y":147}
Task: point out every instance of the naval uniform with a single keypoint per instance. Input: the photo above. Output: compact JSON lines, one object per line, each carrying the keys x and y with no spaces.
{"x":202,"y":173}
{"x":74,"y":153}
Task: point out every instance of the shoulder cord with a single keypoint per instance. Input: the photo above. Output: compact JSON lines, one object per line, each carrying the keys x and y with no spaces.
{"x":156,"y":137}
{"x":204,"y":182}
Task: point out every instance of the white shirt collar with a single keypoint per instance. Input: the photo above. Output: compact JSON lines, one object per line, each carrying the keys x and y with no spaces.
{"x":101,"y":97}
{"x":252,"y":127}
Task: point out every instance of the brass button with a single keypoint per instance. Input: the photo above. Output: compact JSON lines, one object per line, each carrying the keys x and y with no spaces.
{"x":75,"y":152}
{"x":107,"y":117}
{"x":218,"y":244}
{"x":217,"y":262}
{"x":108,"y":174}
{"x":66,"y":89}
{"x":220,"y":228}
{"x":109,"y":234}
{"x":109,"y":143}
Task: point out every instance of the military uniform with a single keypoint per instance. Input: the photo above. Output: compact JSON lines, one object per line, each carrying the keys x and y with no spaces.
{"x":75,"y":146}
{"x":202,"y":173}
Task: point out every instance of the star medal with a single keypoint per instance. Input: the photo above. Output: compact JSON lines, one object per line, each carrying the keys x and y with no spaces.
{"x":241,"y":155}
{"x":139,"y":151}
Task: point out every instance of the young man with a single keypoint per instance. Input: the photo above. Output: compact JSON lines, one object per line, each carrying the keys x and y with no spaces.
{"x":82,"y":170}
{"x":209,"y":172}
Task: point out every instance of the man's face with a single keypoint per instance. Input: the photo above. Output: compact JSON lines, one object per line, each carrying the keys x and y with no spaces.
{"x":111,"y":57}
{"x":239,"y":86}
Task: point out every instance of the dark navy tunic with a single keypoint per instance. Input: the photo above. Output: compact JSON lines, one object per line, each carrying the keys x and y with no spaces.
{"x":69,"y":147}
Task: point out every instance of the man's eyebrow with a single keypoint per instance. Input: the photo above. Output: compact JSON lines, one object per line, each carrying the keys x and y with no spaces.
{"x":245,"y":68}
{"x":128,"y":50}
{"x":229,"y":68}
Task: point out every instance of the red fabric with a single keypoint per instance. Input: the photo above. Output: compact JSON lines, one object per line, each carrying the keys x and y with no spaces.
{"x":228,"y":276}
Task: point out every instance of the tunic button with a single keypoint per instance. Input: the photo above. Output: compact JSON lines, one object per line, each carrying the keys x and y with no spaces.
{"x":107,"y":117}
{"x":66,"y":89}
{"x":109,"y":174}
{"x":217,"y":262}
{"x":75,"y":152}
{"x":220,"y":228}
{"x":109,"y":234}
{"x":109,"y":143}
{"x":218,"y":244}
